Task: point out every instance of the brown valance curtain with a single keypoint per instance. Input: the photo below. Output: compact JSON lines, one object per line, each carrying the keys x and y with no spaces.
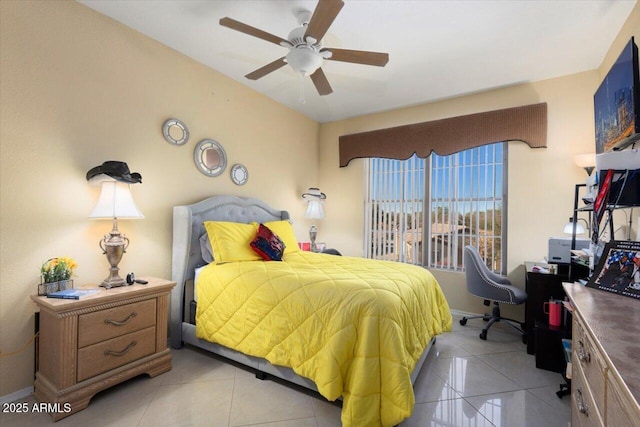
{"x":447,"y":136}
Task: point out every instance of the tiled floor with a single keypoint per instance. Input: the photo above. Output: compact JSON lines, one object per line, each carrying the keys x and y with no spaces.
{"x":464,"y":382}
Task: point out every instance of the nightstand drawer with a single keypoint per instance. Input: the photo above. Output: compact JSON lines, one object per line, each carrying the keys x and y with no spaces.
{"x":108,"y":355}
{"x":106,"y":324}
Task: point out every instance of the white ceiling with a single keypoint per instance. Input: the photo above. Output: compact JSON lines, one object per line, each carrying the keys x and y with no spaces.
{"x":437,"y":49}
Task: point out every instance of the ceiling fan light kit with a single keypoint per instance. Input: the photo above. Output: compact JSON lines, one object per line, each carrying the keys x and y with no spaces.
{"x":306,"y":54}
{"x":304,"y":61}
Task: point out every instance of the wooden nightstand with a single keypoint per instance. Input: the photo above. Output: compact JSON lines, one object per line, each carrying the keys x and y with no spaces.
{"x":99,"y":340}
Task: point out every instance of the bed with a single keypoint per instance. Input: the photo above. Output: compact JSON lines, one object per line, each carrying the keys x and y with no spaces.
{"x":349,"y":328}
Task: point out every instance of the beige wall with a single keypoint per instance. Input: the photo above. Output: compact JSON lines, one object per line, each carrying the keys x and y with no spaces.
{"x":79,"y":88}
{"x":541,"y":182}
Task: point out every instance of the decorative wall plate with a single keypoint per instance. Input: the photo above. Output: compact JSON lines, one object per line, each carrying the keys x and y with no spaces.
{"x":239,"y":174}
{"x":175,"y":132}
{"x":210,"y":157}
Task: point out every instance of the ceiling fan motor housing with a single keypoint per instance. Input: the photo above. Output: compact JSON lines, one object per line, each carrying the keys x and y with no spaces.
{"x":297,"y":39}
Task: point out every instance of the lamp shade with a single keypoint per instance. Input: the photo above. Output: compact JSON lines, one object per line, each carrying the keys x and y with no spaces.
{"x":586,"y":161}
{"x":568,"y":228}
{"x":314,"y":210}
{"x":115,"y":201}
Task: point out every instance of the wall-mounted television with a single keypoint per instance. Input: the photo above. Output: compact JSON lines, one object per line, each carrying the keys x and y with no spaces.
{"x":617,"y":103}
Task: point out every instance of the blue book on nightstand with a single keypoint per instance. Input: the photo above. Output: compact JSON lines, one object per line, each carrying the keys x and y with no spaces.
{"x":72,"y":293}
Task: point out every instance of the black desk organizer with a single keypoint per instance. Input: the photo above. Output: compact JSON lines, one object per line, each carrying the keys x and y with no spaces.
{"x":545,"y":341}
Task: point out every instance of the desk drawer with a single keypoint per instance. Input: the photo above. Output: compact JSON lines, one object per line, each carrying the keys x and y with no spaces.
{"x":105,"y":356}
{"x":584,"y":412}
{"x":114,"y":322}
{"x":590,"y":360}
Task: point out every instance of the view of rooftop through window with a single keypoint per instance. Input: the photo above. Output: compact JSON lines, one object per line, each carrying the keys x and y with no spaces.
{"x":462,"y":195}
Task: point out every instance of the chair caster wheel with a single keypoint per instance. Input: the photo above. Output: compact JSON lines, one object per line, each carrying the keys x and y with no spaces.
{"x":463,"y":321}
{"x":483,"y":335}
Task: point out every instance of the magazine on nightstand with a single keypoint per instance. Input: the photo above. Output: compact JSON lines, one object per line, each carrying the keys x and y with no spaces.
{"x":72,"y":293}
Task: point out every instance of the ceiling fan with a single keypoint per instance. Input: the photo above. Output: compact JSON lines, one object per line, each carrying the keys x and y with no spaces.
{"x":306,"y":53}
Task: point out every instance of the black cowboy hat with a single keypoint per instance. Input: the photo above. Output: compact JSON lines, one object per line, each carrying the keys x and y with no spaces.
{"x":116,"y":170}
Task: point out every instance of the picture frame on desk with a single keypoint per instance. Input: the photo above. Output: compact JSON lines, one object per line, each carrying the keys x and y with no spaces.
{"x":618,"y":270}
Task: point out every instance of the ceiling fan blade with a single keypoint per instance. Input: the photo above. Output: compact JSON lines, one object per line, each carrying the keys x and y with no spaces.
{"x":263,"y":71}
{"x":320,"y":82}
{"x":252,"y":31}
{"x":378,"y":59}
{"x":322,"y":18}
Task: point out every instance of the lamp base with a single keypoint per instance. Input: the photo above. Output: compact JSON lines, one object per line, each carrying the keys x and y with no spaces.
{"x":114,"y":245}
{"x":313,"y":234}
{"x":113,"y":282}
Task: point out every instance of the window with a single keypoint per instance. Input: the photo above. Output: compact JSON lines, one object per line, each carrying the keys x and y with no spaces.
{"x":424,"y":211}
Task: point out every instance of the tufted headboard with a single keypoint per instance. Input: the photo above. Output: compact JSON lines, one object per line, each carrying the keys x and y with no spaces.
{"x":187,"y":229}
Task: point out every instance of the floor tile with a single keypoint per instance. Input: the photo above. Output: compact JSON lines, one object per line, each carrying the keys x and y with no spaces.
{"x":496,"y":342}
{"x":456,"y":412}
{"x":327,"y":413}
{"x":548,"y":394}
{"x":519,"y":408}
{"x":521,"y":368}
{"x":447,"y":345}
{"x":305,"y":422}
{"x":256,"y":401}
{"x":195,"y":365}
{"x":469,"y":376}
{"x":429,"y":387}
{"x":192,"y":404}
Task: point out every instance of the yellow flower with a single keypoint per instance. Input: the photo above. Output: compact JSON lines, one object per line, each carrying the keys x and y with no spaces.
{"x":57,"y":269}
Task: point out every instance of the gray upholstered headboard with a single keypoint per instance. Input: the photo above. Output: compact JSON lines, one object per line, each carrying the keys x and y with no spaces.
{"x":187,"y":229}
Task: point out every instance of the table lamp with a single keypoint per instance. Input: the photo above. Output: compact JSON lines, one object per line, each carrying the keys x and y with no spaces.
{"x":314,"y":199}
{"x":115,"y":202}
{"x":579,"y":228}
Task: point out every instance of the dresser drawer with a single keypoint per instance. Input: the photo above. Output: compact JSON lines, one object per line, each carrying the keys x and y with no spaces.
{"x":105,"y":356}
{"x":114,"y":322}
{"x":621,"y":409}
{"x":586,"y":354}
{"x":584,"y":412}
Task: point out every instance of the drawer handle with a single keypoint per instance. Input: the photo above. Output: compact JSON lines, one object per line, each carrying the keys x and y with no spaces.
{"x":583,"y":355}
{"x":120,"y":353}
{"x":124,"y":322}
{"x":582,"y":408}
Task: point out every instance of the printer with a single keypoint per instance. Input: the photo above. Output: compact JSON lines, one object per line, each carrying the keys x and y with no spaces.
{"x":560,"y":249}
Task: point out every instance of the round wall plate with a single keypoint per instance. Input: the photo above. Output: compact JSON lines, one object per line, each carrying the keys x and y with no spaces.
{"x":239,"y":174}
{"x":175,"y":132}
{"x":210,"y":157}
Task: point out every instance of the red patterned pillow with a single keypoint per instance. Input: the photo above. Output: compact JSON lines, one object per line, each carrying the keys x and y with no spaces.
{"x":267,"y":244}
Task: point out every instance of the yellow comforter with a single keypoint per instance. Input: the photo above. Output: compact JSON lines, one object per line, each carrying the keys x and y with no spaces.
{"x":354,"y":326}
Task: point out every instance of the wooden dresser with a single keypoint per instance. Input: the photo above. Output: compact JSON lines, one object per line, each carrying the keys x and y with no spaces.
{"x":605,"y":387}
{"x":99,"y":340}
